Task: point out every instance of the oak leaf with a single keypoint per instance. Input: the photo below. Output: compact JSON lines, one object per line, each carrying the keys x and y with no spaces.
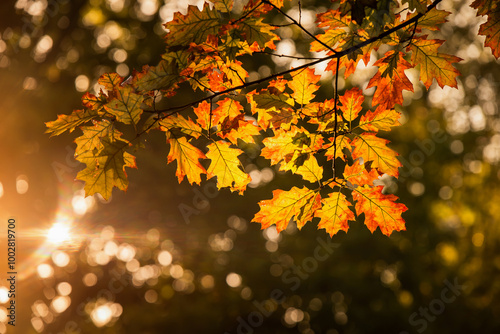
{"x":380,"y":210}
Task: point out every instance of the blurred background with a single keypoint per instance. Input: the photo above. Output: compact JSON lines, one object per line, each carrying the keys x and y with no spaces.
{"x":170,"y":258}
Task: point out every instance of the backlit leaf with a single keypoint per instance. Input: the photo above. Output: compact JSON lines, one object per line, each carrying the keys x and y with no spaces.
{"x":225,"y":166}
{"x":187,"y":157}
{"x":433,"y":65}
{"x":69,"y":122}
{"x":335,"y":213}
{"x":106,"y":169}
{"x":372,"y":148}
{"x":380,"y":119}
{"x":303,"y":85}
{"x":126,"y":106}
{"x":300,"y":203}
{"x":380,"y":210}
{"x":352,"y":101}
{"x":194,"y":27}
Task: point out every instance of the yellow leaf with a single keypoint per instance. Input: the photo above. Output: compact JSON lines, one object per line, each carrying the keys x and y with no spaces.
{"x":433,"y":65}
{"x":226,"y":166}
{"x":372,"y":148}
{"x":335,"y":213}
{"x":304,"y":86}
{"x":300,"y":203}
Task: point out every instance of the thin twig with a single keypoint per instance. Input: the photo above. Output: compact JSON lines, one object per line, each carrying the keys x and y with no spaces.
{"x":298,"y":25}
{"x":336,"y":118}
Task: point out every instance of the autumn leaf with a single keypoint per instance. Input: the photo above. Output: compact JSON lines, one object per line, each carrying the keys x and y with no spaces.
{"x":187,"y":156}
{"x":194,"y":27}
{"x":93,"y":102}
{"x":372,"y":148}
{"x":225,"y":166}
{"x":336,"y":151}
{"x":303,"y":85}
{"x":380,"y":210}
{"x":224,"y":6}
{"x":352,"y":101}
{"x":433,"y":65}
{"x":280,"y":146}
{"x":106,"y":169}
{"x":126,"y":107}
{"x":162,"y":76}
{"x":69,"y":122}
{"x":335,"y":213}
{"x":258,"y":34}
{"x":419,"y":5}
{"x":359,"y":175}
{"x":227,"y":108}
{"x":93,"y":136}
{"x":431,"y":20}
{"x":310,"y":170}
{"x":300,"y":203}
{"x":177,"y":126}
{"x":491,"y":28}
{"x":110,"y":81}
{"x":381,"y":119}
{"x":390,"y":80}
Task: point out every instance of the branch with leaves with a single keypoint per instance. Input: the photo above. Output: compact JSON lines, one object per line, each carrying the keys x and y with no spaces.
{"x":204,"y":51}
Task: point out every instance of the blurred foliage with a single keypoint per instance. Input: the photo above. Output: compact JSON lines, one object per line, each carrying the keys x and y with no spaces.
{"x":223,"y":269}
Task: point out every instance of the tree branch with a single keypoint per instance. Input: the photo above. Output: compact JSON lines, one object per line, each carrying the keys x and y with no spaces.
{"x":336,"y":54}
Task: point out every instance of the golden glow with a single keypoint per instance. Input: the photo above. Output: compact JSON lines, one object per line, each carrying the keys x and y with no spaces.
{"x":101,"y":315}
{"x":59,"y":233}
{"x":4,"y":295}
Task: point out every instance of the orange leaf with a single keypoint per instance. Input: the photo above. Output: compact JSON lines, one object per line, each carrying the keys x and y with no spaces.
{"x":491,"y":28}
{"x":203,"y":114}
{"x":372,"y":148}
{"x":299,"y":203}
{"x":352,"y":101}
{"x":433,"y":65}
{"x":187,"y":157}
{"x":240,"y":129}
{"x":335,"y":213}
{"x":357,"y":174}
{"x":226,"y":108}
{"x":380,"y":210}
{"x":390,"y":80}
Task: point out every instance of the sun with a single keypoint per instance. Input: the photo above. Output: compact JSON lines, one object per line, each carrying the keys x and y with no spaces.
{"x":59,"y":233}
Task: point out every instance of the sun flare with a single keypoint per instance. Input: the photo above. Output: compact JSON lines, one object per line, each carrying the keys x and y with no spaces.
{"x":59,"y":233}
